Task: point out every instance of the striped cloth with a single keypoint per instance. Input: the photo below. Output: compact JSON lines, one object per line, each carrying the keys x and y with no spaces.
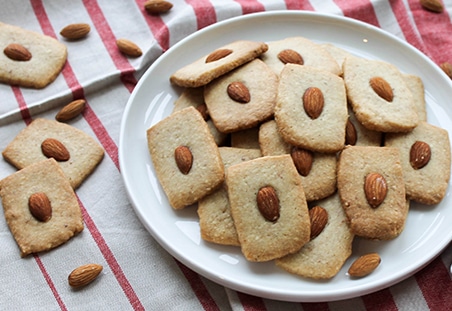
{"x":138,"y":274}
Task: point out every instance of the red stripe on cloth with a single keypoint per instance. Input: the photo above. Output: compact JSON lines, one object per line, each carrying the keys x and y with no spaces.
{"x":299,"y":5}
{"x":49,"y":282}
{"x":362,"y":10}
{"x":250,"y":6}
{"x":436,"y":286}
{"x":381,"y":300}
{"x":251,"y":303}
{"x":321,"y":306}
{"x":22,"y":104}
{"x":199,"y":288}
{"x":204,"y":11}
{"x":157,"y":26}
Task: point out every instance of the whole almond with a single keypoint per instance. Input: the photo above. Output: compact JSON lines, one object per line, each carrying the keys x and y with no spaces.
{"x":217,"y":55}
{"x":53,"y":148}
{"x":75,"y":31}
{"x":313,"y":102}
{"x":157,"y":6}
{"x":290,"y":56}
{"x":84,"y":275}
{"x":420,"y":154}
{"x":382,"y":88}
{"x":432,"y":5}
{"x":302,"y":159}
{"x":375,"y":189}
{"x":203,"y":111}
{"x":268,"y":203}
{"x":319,"y":218}
{"x":351,"y":136}
{"x":364,"y":265}
{"x":71,"y":110}
{"x":16,"y":51}
{"x":40,"y":207}
{"x":238,"y":92}
{"x":128,"y":48}
{"x":447,"y":68}
{"x":184,"y":159}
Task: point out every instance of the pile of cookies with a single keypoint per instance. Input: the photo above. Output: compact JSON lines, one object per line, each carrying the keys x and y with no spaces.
{"x":292,"y":148}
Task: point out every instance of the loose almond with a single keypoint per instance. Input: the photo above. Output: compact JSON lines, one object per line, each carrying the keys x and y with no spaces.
{"x":313,"y":102}
{"x":128,"y":48}
{"x":17,"y":52}
{"x":53,"y":148}
{"x":84,"y":275}
{"x":364,"y":265}
{"x":447,"y":68}
{"x":184,"y":159}
{"x":432,"y":5}
{"x":217,"y":55}
{"x":40,"y":207}
{"x":382,"y":88}
{"x":375,"y":189}
{"x":302,"y":159}
{"x":157,"y":6}
{"x":238,"y":92}
{"x":71,"y":110}
{"x":75,"y":31}
{"x":351,"y":136}
{"x":420,"y":154}
{"x":289,"y":56}
{"x":319,"y":219}
{"x":268,"y":203}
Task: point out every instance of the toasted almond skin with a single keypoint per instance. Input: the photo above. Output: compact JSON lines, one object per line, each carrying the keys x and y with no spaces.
{"x":319,"y":219}
{"x":382,"y":88}
{"x":302,"y":159}
{"x":128,"y":48}
{"x":84,"y":275}
{"x":351,"y":136}
{"x":40,"y":207}
{"x":75,"y":31}
{"x":289,"y":56}
{"x":420,"y":154}
{"x":217,"y":55}
{"x":238,"y":92}
{"x":16,"y":51}
{"x":71,"y":110}
{"x":268,"y":203}
{"x":313,"y":102}
{"x":203,"y":111}
{"x":157,"y":6}
{"x":375,"y":188}
{"x":53,"y":148}
{"x":364,"y":265}
{"x":447,"y":68}
{"x":432,"y":5}
{"x":184,"y":159}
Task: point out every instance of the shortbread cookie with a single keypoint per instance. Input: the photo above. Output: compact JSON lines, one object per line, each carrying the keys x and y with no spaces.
{"x":311,"y":109}
{"x":242,"y":98}
{"x":367,"y":218}
{"x":299,"y":50}
{"x":85,"y":152}
{"x":337,"y":53}
{"x":274,"y":182}
{"x":270,"y":142}
{"x":217,"y":63}
{"x":248,"y":139}
{"x":48,"y":56}
{"x":416,"y":87}
{"x":31,"y":234}
{"x":426,"y":180}
{"x":215,"y":220}
{"x":186,"y":159}
{"x":323,"y":256}
{"x":357,"y":135}
{"x":393,"y":109}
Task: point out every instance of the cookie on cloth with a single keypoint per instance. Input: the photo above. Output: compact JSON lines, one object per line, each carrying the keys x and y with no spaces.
{"x":217,"y":63}
{"x":85,"y":153}
{"x":372,"y":191}
{"x":215,"y":220}
{"x":311,"y":108}
{"x":48,"y":56}
{"x":324,"y":255}
{"x":268,"y":207}
{"x":185,"y":157}
{"x":379,"y":95}
{"x":243,"y":98}
{"x":425,"y":158}
{"x":33,"y":235}
{"x":299,"y":50}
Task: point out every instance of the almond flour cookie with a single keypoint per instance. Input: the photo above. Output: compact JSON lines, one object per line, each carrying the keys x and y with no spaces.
{"x":48,"y":56}
{"x":311,"y":109}
{"x":416,"y":87}
{"x":268,"y":207}
{"x":357,"y":135}
{"x":217,"y":63}
{"x":248,"y":139}
{"x":372,"y":191}
{"x":425,"y":158}
{"x":185,"y":157}
{"x":84,"y":152}
{"x":270,"y":142}
{"x":32,"y":235}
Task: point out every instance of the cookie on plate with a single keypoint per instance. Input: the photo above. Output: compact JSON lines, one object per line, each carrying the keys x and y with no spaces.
{"x":48,"y":57}
{"x":248,"y":139}
{"x":270,"y":142}
{"x":27,"y":147}
{"x":32,"y":235}
{"x":416,"y":86}
{"x":357,"y":135}
{"x":185,"y":156}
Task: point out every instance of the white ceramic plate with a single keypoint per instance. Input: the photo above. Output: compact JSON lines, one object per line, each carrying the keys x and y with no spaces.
{"x":428,"y":229}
